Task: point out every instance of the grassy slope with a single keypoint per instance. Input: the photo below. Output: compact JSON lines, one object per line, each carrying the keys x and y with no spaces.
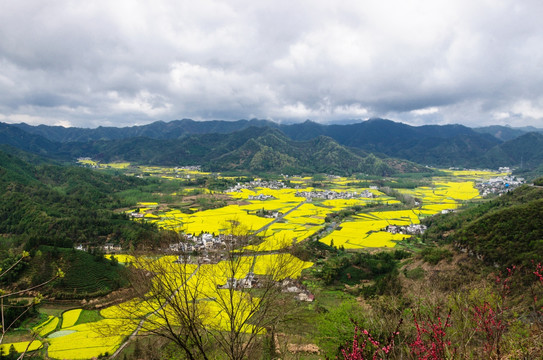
{"x":507,"y":230}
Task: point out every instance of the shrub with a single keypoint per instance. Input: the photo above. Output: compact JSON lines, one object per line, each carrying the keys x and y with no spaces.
{"x":434,"y":255}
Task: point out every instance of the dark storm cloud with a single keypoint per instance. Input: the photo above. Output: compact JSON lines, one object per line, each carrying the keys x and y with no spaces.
{"x":125,"y":62}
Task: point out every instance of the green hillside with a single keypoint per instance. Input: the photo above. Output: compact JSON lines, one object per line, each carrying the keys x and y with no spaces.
{"x":86,"y":275}
{"x":60,"y":206}
{"x":253,"y":149}
{"x":46,"y":210}
{"x":507,"y":230}
{"x":525,"y":151}
{"x":272,"y":151}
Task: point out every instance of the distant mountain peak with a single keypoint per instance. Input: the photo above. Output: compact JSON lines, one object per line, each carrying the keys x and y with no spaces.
{"x":378,"y":119}
{"x":436,"y":145}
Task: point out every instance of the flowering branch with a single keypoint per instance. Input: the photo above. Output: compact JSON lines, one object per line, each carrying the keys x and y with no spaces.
{"x":431,"y":342}
{"x":358,"y":348}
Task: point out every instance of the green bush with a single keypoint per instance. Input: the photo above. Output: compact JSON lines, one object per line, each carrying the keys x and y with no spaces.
{"x":434,"y":255}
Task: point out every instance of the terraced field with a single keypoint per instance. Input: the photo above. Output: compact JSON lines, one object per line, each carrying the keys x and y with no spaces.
{"x":87,"y":277}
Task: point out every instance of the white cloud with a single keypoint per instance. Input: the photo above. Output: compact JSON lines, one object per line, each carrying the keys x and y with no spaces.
{"x":144,"y":102}
{"x":501,"y":115}
{"x":297,"y":110}
{"x":529,"y":109}
{"x":426,"y":111}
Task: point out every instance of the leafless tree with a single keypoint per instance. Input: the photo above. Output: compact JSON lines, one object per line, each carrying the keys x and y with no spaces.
{"x":209,"y":310}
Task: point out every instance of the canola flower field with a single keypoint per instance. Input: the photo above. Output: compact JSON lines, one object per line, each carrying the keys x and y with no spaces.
{"x":88,"y":340}
{"x":297,"y":218}
{"x":69,"y":318}
{"x":21,"y":346}
{"x":302,"y":218}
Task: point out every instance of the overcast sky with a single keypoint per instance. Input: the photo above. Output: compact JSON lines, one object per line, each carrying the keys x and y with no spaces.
{"x":115,"y":62}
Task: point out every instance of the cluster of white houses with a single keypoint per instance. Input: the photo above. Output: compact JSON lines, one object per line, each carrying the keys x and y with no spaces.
{"x":189,"y":168}
{"x":248,"y":282}
{"x":287,"y":286}
{"x":261,"y":197}
{"x":413,"y":229}
{"x":272,"y":184}
{"x":499,"y":185}
{"x":106,"y":248}
{"x":204,"y":241}
{"x":332,"y":195}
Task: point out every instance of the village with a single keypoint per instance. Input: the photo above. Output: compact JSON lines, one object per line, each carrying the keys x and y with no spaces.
{"x":210,"y":249}
{"x":499,"y":185}
{"x":258,"y":183}
{"x":332,"y":195}
{"x":412,"y":229}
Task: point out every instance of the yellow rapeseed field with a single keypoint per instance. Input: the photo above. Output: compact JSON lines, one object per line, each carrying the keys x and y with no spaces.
{"x":366,"y":230}
{"x":122,"y":258}
{"x":122,"y":165}
{"x":89,"y":340}
{"x":69,"y":318}
{"x":280,"y":266}
{"x":47,"y":326}
{"x":21,"y":346}
{"x":308,"y":218}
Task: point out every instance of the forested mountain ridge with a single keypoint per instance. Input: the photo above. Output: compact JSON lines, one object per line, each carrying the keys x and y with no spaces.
{"x":206,"y":142}
{"x":20,"y":139}
{"x":59,"y":206}
{"x":156,"y":130}
{"x":505,"y":133}
{"x":437,"y":145}
{"x":273,"y":151}
{"x":299,"y":131}
{"x":525,"y":151}
{"x":251,"y":149}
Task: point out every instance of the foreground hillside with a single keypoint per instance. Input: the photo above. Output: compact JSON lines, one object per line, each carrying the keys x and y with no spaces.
{"x":471,"y":289}
{"x":505,"y":231}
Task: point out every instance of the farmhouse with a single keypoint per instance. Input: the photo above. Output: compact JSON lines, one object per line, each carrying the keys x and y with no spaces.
{"x":332,"y":195}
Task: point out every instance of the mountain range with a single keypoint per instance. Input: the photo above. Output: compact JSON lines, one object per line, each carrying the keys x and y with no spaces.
{"x":180,"y":128}
{"x":262,"y":145}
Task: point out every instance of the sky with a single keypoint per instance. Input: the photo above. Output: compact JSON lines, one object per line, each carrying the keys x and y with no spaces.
{"x":123,"y":63}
